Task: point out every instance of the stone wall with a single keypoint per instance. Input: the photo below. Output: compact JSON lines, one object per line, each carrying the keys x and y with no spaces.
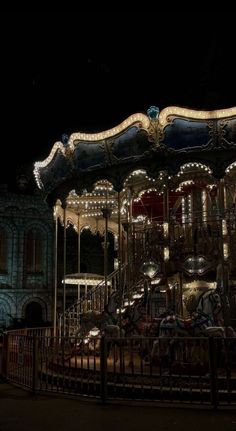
{"x":20,"y":214}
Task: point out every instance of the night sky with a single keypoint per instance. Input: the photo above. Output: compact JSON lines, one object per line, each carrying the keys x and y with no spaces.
{"x":70,"y":70}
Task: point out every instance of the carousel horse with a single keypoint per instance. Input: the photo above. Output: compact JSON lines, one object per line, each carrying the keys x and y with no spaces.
{"x":205,"y":321}
{"x":112,"y":305}
{"x":207,"y":314}
{"x":167,"y":348}
{"x":210,"y":304}
{"x":173,"y":325}
{"x":100,"y":319}
{"x":100,"y":324}
{"x":89,"y":320}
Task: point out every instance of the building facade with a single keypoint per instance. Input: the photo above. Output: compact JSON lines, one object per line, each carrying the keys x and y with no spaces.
{"x":26,"y":259}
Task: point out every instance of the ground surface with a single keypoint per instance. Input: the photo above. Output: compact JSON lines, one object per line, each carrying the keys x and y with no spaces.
{"x":21,"y":411}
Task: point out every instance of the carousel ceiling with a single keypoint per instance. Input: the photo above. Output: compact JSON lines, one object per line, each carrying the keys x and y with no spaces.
{"x":176,"y":137}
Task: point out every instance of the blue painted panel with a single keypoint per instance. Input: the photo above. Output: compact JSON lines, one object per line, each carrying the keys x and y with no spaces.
{"x":132,"y":143}
{"x":89,"y":155}
{"x":55,"y":173}
{"x":183,"y":134}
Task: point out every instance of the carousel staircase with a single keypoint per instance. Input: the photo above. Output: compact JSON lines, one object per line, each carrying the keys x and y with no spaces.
{"x":117,"y":302}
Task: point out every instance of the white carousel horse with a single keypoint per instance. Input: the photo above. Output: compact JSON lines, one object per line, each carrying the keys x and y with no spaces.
{"x":210,"y":305}
{"x":203,"y":322}
{"x":207,"y":314}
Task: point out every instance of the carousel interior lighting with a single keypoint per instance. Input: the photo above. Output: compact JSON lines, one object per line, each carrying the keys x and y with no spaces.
{"x":204,"y":205}
{"x":196,"y":265}
{"x":188,"y":166}
{"x":184,"y":184}
{"x":138,"y":173}
{"x":147,"y":191}
{"x":137,"y":295}
{"x":224,"y":227}
{"x":139,"y":218}
{"x":226,"y":250}
{"x":230,"y":167}
{"x":94,"y":332}
{"x":87,"y":227}
{"x":150,"y":268}
{"x":166,"y":254}
{"x":126,"y":303}
{"x":165,"y":229}
{"x":143,"y":290}
{"x":172,"y":286}
{"x":83,"y":281}
{"x":210,"y":186}
{"x":196,"y":284}
{"x":155,"y":281}
{"x":120,"y":310}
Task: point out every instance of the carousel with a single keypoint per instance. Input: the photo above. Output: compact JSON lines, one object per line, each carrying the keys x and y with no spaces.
{"x":157,"y":193}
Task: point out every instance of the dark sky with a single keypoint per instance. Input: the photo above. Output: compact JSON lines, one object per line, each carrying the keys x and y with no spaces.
{"x":70,"y":70}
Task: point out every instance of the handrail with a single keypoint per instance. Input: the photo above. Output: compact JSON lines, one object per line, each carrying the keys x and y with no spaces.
{"x":95,"y":299}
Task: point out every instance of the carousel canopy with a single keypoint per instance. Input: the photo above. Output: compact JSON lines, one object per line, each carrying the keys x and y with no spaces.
{"x":153,"y":142}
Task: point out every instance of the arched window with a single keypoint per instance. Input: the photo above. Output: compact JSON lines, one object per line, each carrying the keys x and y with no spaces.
{"x":3,"y":251}
{"x":33,"y":251}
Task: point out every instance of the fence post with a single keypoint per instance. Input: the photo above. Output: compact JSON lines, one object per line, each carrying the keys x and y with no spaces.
{"x":35,"y":365}
{"x":5,"y":355}
{"x":213,"y":372}
{"x":103,"y":369}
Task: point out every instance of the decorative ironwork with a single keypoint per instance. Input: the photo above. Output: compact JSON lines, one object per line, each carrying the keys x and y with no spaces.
{"x":196,"y":265}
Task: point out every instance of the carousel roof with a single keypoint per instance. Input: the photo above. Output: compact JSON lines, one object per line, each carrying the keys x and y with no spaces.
{"x":153,"y":142}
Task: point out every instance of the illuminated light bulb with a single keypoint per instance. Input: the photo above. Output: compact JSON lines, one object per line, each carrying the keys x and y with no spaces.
{"x":150,"y":268}
{"x":94,"y":332}
{"x":137,"y":295}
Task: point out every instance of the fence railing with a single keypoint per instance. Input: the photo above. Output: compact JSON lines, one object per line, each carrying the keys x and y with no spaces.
{"x":181,"y":370}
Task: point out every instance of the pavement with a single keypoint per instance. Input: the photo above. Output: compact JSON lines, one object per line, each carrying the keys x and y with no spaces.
{"x":20,"y":410}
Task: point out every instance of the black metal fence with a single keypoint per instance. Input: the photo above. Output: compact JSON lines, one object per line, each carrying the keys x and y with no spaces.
{"x":179,"y":370}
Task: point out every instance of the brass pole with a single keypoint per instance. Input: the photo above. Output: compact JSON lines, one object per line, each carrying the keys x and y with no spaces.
{"x":181,"y":292}
{"x":166,"y":240}
{"x":105,"y":251}
{"x":86,"y":295}
{"x":78,"y":228}
{"x":224,"y":281}
{"x":119,"y":259}
{"x":64,"y":270}
{"x":166,"y":204}
{"x":55,"y":276}
{"x":105,"y":259}
{"x":106,"y":214}
{"x":129,"y":238}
